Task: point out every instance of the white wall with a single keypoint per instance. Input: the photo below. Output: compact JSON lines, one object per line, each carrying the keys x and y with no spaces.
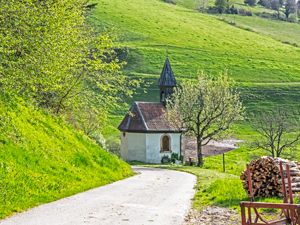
{"x":124,"y":146}
{"x":133,"y":146}
{"x":153,"y":141}
{"x":146,"y":147}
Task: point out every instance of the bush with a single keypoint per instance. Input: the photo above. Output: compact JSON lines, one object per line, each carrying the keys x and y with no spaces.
{"x":292,"y":18}
{"x":174,"y":156}
{"x":233,"y":10}
{"x":98,"y":137}
{"x":114,"y":146}
{"x":249,"y":13}
{"x":244,"y":12}
{"x":170,"y":1}
{"x":241,"y":11}
{"x":213,"y":10}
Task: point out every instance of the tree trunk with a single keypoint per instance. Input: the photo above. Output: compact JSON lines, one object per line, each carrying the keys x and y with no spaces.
{"x":200,"y":156}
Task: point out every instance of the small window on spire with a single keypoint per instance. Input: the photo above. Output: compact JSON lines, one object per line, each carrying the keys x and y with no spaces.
{"x":162,"y":97}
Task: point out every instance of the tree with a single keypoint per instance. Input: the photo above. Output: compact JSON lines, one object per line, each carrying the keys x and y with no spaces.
{"x":87,"y":118}
{"x":250,"y":2}
{"x":277,"y":131}
{"x":290,"y":7}
{"x":221,"y":5}
{"x":52,"y":57}
{"x":205,"y":108}
{"x":298,"y":8}
{"x":203,"y":5}
{"x":276,"y":5}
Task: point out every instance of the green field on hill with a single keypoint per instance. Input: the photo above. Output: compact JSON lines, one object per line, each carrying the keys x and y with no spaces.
{"x":265,"y":69}
{"x":288,"y":33}
{"x":43,"y":159}
{"x":194,"y":41}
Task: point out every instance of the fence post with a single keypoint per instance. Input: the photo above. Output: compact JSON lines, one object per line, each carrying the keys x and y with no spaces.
{"x":224,"y":162}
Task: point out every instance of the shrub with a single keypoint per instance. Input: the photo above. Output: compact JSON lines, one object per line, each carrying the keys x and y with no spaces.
{"x":292,"y":18}
{"x":114,"y":146}
{"x":170,"y":1}
{"x":174,"y":156}
{"x":98,"y":137}
{"x":249,"y":13}
{"x":241,"y":11}
{"x":213,"y":10}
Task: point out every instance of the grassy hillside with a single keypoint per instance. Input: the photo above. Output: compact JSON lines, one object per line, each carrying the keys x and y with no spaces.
{"x":195,"y":41}
{"x":196,"y":4}
{"x":43,"y":159}
{"x":285,"y":32}
{"x":266,"y":70}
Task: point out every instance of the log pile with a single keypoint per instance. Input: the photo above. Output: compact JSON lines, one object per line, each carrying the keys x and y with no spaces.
{"x":266,"y":178}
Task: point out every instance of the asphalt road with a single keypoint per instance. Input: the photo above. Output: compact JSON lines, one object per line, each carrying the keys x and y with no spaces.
{"x":154,"y":196}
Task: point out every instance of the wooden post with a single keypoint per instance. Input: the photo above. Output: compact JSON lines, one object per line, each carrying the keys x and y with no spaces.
{"x":223,"y":162}
{"x":244,"y":214}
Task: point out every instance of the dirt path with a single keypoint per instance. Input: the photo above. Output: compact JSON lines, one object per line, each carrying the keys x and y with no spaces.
{"x":213,"y":215}
{"x":211,"y":149}
{"x":155,"y":196}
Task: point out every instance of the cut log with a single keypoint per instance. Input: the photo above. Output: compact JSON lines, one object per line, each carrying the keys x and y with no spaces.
{"x":266,"y":176}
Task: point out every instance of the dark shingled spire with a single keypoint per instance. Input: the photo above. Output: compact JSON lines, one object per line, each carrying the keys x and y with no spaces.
{"x":167,"y":78}
{"x":166,"y":82}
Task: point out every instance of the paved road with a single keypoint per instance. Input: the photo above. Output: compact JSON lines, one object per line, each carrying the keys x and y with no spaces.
{"x":155,"y":196}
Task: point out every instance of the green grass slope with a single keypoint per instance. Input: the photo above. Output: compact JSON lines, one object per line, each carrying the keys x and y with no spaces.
{"x":194,"y":41}
{"x":43,"y":159}
{"x":266,"y":70}
{"x":285,"y":32}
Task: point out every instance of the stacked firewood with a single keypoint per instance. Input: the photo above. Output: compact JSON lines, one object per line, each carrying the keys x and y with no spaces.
{"x":266,"y":177}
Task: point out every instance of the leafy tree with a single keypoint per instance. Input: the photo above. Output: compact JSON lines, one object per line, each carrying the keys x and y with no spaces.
{"x":265,"y":3}
{"x":114,"y":146}
{"x":278,"y":132}
{"x":221,"y":5}
{"x":290,"y":7}
{"x":276,"y":5}
{"x":250,"y":2}
{"x":205,"y":108}
{"x":298,"y":8}
{"x":51,"y":56}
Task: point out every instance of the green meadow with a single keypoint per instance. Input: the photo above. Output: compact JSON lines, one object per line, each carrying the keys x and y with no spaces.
{"x":43,"y":159}
{"x":194,"y":41}
{"x":288,"y":33}
{"x":265,"y":69}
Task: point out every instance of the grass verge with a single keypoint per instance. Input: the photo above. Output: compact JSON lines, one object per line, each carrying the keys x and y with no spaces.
{"x":42,"y":159}
{"x":215,"y":188}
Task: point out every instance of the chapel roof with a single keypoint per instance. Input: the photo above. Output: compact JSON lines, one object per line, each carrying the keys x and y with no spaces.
{"x":147,"y":117}
{"x":167,"y":77}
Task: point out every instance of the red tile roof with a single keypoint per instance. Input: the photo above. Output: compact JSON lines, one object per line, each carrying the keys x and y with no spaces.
{"x":148,"y":117}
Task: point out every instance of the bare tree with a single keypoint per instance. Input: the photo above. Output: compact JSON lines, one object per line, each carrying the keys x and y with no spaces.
{"x":277,"y":132}
{"x":205,"y":108}
{"x":203,"y":5}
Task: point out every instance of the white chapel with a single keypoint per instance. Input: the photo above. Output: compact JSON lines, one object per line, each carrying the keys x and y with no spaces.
{"x":146,"y":134}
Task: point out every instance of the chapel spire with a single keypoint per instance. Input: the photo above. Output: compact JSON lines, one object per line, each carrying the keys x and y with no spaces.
{"x":166,"y":82}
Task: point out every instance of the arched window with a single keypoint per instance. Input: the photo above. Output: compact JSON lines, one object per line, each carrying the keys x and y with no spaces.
{"x":165,"y":143}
